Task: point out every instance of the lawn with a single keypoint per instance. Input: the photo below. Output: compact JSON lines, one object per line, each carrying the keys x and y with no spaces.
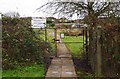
{"x":73,"y":39}
{"x":41,"y":34}
{"x":27,"y":71}
{"x":74,"y":44}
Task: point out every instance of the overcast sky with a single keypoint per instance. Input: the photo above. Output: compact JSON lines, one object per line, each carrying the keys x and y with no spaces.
{"x":24,"y":7}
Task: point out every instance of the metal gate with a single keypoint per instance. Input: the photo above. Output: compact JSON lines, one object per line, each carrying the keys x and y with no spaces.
{"x":75,"y":38}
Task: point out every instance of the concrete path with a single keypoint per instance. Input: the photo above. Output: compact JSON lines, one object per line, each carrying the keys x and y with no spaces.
{"x":61,"y":67}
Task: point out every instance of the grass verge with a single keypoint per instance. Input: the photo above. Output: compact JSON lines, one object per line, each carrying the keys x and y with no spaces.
{"x":41,"y":34}
{"x":74,"y":44}
{"x":26,"y":71}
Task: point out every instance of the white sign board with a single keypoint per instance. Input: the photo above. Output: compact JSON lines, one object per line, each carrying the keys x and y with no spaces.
{"x":62,"y":35}
{"x":38,"y":22}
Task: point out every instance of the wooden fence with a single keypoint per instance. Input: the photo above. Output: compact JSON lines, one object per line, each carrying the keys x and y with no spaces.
{"x":103,"y":51}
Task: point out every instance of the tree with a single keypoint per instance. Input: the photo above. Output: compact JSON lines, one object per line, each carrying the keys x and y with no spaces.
{"x":12,"y":14}
{"x":92,"y":12}
{"x":50,"y":23}
{"x":90,"y":9}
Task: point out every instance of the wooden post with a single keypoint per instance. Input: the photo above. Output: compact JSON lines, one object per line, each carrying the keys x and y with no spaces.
{"x":86,"y":43}
{"x":83,"y":39}
{"x":86,"y":39}
{"x":99,"y":62}
{"x":56,"y":42}
{"x":45,"y":34}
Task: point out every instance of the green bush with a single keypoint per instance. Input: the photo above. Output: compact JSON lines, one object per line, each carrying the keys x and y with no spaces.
{"x":20,"y":44}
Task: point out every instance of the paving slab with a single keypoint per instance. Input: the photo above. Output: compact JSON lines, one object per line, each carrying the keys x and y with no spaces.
{"x":62,"y":66}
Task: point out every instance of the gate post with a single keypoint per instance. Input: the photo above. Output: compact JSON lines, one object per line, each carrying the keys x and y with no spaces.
{"x":99,"y":57}
{"x":86,"y":40}
{"x":55,"y":42}
{"x":45,"y":34}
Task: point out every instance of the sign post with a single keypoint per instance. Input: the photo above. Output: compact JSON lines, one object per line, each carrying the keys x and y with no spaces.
{"x":62,"y":35}
{"x":38,"y":22}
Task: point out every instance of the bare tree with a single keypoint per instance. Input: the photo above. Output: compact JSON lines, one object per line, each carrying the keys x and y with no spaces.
{"x":91,"y":11}
{"x":12,"y":14}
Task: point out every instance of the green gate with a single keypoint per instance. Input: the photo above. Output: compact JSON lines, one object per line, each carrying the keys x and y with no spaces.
{"x":75,"y":39}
